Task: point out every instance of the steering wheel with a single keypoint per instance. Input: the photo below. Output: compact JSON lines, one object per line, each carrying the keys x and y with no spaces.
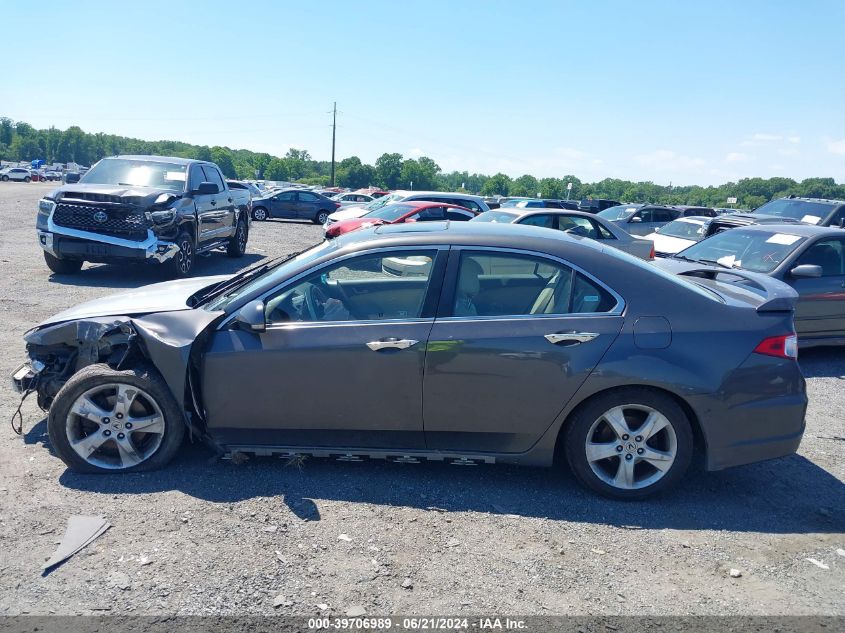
{"x":315,"y":301}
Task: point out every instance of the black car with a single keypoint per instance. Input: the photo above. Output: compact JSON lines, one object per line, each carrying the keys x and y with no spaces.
{"x":811,"y":259}
{"x":594,"y":205}
{"x":294,"y":204}
{"x":511,"y":344}
{"x":813,"y":211}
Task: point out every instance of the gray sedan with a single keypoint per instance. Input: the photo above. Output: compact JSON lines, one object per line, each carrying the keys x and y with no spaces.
{"x":519,"y":345}
{"x":578,"y":223}
{"x":811,"y":259}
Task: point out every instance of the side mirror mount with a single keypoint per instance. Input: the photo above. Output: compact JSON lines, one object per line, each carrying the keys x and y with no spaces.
{"x":206,"y":189}
{"x":72,"y":177}
{"x":806,"y":271}
{"x":636,"y":218}
{"x":251,"y":317}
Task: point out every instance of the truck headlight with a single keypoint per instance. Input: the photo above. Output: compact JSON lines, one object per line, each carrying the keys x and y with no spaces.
{"x":163,"y":217}
{"x":45,"y":208}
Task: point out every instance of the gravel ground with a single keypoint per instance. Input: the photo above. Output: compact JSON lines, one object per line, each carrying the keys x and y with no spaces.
{"x":262,"y":537}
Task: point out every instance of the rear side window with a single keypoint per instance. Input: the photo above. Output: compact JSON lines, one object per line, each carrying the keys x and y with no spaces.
{"x":304,"y":196}
{"x":511,"y":284}
{"x":546,"y":221}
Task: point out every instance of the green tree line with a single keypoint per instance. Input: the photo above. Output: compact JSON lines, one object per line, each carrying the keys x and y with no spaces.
{"x":20,"y":141}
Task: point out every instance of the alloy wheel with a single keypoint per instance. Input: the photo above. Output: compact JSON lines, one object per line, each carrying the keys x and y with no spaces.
{"x":631,"y":446}
{"x":115,"y":426}
{"x":242,"y":236}
{"x":185,"y":256}
{"x":259,"y":214}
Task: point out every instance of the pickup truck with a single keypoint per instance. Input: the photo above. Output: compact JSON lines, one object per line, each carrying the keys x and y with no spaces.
{"x":143,"y":209}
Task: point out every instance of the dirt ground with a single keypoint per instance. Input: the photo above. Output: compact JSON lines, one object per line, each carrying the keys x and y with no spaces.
{"x":215,"y":537}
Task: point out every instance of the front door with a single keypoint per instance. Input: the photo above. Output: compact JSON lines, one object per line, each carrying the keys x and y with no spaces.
{"x":206,"y":206}
{"x":515,"y":338}
{"x":820,"y":311}
{"x":339,"y":365}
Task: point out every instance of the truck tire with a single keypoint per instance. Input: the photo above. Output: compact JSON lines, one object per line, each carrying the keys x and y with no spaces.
{"x":63,"y":266}
{"x":237,"y":243}
{"x":260,"y":214}
{"x":182,"y":264}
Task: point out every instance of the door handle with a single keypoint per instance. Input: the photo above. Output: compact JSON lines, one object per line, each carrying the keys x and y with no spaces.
{"x":230,"y":199}
{"x":570,"y":338}
{"x":213,"y":203}
{"x":391,"y":343}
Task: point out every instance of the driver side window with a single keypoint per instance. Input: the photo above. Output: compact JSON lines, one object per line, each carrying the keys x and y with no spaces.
{"x":365,"y":288}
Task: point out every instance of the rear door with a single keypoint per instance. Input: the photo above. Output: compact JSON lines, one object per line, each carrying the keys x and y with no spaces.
{"x":821,"y":305}
{"x":307,"y":205}
{"x":283,"y":205}
{"x":515,"y":337}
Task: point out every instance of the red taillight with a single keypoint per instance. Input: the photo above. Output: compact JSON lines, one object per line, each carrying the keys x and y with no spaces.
{"x":651,"y":254}
{"x":336,"y":205}
{"x":784,"y":346}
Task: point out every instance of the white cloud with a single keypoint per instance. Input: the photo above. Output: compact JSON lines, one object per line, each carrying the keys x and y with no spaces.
{"x":736,"y":157}
{"x":794,"y":139}
{"x":767,"y":138}
{"x":415,"y":152}
{"x":836,"y":146}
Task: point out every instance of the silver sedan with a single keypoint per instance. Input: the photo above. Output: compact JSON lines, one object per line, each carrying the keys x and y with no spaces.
{"x":575,"y":223}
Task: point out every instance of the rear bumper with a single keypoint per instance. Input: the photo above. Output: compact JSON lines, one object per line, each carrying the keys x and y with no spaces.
{"x":73,"y":244}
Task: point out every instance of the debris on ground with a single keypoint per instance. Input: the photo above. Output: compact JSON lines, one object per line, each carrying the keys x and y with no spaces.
{"x":735,"y":573}
{"x":817,"y":563}
{"x":119,"y":580}
{"x":345,"y":537}
{"x":356,"y":611}
{"x":80,"y":532}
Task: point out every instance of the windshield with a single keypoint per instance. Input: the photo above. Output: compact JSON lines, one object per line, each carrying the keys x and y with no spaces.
{"x":617,"y":213}
{"x":683,"y":229}
{"x":378,"y":203}
{"x":137,"y":173}
{"x":274,"y":275}
{"x":754,"y":250}
{"x":513,"y":202}
{"x":390,"y":212}
{"x":801,"y":210}
{"x":502,"y":217}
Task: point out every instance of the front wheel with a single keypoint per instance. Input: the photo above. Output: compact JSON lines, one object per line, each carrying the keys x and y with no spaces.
{"x":259,"y":213}
{"x":237,"y":243}
{"x":629,"y":444}
{"x":182,"y":263}
{"x":105,"y":420}
{"x":322,"y":217}
{"x":62,"y":266}
{"x":4,"y":178}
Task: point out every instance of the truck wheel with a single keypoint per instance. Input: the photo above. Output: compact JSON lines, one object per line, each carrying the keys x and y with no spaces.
{"x":237,"y":243}
{"x":182,"y":264}
{"x":63,"y":266}
{"x":259,"y":213}
{"x":104,"y":420}
{"x":322,"y":217}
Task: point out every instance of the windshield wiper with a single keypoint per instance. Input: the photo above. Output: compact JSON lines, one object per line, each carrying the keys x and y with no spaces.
{"x":713,"y":261}
{"x":684,"y":257}
{"x":239,"y":279}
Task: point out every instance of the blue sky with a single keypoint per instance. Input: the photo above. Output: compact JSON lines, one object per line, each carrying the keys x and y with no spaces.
{"x":687,"y":92}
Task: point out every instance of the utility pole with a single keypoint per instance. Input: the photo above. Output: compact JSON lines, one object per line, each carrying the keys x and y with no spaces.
{"x":334,"y":130}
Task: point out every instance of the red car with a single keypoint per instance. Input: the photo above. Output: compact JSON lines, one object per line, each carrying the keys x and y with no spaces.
{"x":398,"y":212}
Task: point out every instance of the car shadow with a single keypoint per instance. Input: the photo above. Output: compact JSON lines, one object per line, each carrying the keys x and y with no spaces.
{"x":136,"y":275}
{"x":823,"y":362}
{"x":788,"y":495}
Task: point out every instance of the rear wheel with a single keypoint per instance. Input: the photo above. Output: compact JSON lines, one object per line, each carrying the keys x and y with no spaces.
{"x":27,"y":179}
{"x":62,"y":266}
{"x":629,"y":444}
{"x":237,"y":243}
{"x":259,"y":213}
{"x":322,"y":217}
{"x":105,"y":420}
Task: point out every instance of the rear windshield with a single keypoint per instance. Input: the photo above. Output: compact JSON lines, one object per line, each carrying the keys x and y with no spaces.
{"x":685,"y":230}
{"x":137,"y":173}
{"x":801,"y":210}
{"x":502,"y":217}
{"x":754,"y":250}
{"x":391,"y":212}
{"x":616,"y":213}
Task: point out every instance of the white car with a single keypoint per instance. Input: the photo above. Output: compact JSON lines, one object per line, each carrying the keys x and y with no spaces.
{"x":675,"y":236}
{"x":16,"y":173}
{"x":357,"y":199}
{"x":475,"y":203}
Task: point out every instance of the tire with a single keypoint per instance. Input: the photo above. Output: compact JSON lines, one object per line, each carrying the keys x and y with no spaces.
{"x":625,"y":474}
{"x":321,"y":218}
{"x":182,"y":264}
{"x":260,"y":214}
{"x":237,"y":243}
{"x":62,"y":266}
{"x":99,"y":384}
{"x":5,"y":178}
{"x":27,"y":179}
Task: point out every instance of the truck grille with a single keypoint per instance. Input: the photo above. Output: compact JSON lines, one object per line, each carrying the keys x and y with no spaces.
{"x":128,"y":224}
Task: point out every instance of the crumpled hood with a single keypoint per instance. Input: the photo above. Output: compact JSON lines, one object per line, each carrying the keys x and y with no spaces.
{"x":132,"y":193}
{"x":167,"y":296}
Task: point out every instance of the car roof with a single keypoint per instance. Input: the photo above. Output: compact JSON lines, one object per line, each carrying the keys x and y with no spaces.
{"x":804,"y":230}
{"x":522,"y":212}
{"x":445,"y":194}
{"x":159,"y":159}
{"x":693,"y":219}
{"x":831,"y":202}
